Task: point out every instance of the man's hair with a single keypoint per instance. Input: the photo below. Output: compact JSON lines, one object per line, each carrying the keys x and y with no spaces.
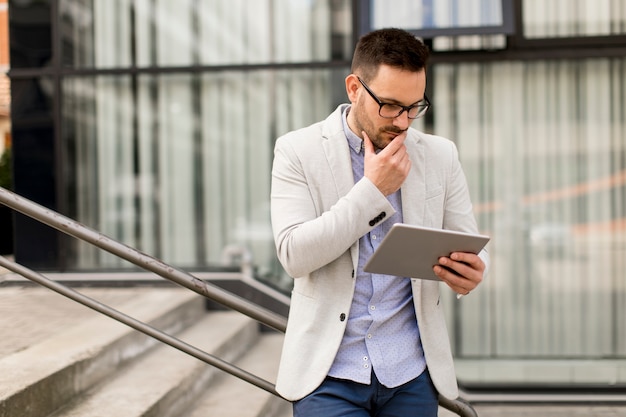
{"x":393,"y":47}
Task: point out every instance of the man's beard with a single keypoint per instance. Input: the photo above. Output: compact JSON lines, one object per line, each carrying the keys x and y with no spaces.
{"x":379,"y":137}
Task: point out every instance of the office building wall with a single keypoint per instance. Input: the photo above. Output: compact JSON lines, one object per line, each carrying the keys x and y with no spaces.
{"x":154,"y":121}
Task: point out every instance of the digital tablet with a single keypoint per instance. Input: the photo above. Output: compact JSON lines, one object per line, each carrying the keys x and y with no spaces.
{"x":412,"y":251}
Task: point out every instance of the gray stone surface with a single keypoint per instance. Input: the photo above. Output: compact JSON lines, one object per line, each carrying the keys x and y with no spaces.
{"x":29,"y":315}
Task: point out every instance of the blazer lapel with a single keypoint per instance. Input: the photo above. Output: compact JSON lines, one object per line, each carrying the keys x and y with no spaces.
{"x":337,"y":154}
{"x":413,"y":196}
{"x":338,"y":157}
{"x":414,"y":188}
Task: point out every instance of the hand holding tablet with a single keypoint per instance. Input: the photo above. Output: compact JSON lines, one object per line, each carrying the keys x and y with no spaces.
{"x":412,"y":251}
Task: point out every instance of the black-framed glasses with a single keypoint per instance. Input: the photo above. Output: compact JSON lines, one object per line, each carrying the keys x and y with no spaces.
{"x":391,"y":111}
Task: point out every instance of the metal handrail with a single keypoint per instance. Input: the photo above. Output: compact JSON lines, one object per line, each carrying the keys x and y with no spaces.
{"x":142,"y":260}
{"x":147,"y":262}
{"x":136,"y":324}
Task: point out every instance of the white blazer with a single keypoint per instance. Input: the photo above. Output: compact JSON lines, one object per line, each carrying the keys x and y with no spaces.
{"x":318,"y":215}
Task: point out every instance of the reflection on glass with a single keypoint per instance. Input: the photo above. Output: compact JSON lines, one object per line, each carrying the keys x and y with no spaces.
{"x":543,"y":147}
{"x":179,"y":165}
{"x":430,"y":14}
{"x":563,"y":18}
{"x":120,"y":33}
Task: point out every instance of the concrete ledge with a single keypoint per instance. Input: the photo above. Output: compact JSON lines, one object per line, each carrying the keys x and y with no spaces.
{"x":165,"y":381}
{"x":235,"y":398}
{"x":45,"y":376}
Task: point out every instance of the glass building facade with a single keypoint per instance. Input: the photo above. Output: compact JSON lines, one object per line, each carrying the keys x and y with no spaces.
{"x":153,"y":122}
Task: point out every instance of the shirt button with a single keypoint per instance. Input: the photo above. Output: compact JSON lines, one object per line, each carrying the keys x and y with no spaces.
{"x":369,"y":336}
{"x":366,"y":366}
{"x":372,"y":307}
{"x":373,"y":237}
{"x":364,"y":358}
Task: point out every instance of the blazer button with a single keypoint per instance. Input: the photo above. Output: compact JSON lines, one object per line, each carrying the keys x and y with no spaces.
{"x":342,"y":317}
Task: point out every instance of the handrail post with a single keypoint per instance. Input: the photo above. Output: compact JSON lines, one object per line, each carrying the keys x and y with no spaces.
{"x":233,"y":252}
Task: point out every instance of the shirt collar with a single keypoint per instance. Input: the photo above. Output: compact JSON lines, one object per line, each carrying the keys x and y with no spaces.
{"x":355,"y":142}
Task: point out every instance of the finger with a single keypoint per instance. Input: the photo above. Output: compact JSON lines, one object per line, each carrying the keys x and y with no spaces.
{"x":367,"y":142}
{"x":473,"y":260}
{"x":451,"y":277}
{"x":457,"y":282}
{"x":405,"y":161}
{"x":463,"y":269}
{"x":470,"y":276}
{"x":396,"y":144}
{"x":459,"y":289}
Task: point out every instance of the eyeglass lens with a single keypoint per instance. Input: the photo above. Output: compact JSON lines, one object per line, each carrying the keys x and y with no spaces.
{"x":392,"y":110}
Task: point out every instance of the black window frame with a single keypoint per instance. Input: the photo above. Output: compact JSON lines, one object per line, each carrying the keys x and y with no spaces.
{"x":506,"y":28}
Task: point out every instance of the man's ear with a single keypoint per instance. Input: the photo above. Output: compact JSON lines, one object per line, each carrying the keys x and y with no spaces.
{"x":352,"y":87}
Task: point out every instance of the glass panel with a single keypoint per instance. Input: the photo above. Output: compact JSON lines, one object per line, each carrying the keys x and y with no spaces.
{"x":120,"y":33}
{"x":563,"y":18}
{"x":33,"y":148}
{"x":430,"y":14}
{"x":179,"y":165}
{"x":430,"y":19}
{"x":30,"y":34}
{"x":543,"y":147}
{"x":465,"y":43}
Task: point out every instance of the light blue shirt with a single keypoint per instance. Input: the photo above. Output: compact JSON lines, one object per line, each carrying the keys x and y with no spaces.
{"x":382,"y":332}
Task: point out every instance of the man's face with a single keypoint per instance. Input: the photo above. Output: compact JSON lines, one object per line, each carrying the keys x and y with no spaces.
{"x":390,"y":85}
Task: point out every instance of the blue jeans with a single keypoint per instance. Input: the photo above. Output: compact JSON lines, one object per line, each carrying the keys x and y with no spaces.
{"x":342,"y":398}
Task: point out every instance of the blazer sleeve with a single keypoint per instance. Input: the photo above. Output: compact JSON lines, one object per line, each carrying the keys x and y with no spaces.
{"x":314,"y":222}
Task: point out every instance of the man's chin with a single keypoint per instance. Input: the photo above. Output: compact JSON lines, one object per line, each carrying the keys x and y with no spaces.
{"x":385,"y":139}
{"x":382,"y":143}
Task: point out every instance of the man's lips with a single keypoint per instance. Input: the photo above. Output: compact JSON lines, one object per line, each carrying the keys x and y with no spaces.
{"x":392,"y":133}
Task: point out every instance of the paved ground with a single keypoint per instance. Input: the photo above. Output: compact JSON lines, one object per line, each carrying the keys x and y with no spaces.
{"x":30,"y":314}
{"x":547,"y":411}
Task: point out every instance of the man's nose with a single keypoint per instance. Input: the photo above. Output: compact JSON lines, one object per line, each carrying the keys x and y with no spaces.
{"x":402,"y":121}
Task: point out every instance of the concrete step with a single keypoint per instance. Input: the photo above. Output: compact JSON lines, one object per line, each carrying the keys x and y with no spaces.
{"x":165,"y":381}
{"x":50,"y":372}
{"x":231,"y":397}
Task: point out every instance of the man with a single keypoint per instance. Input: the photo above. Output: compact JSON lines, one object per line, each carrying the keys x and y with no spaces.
{"x":361,"y":344}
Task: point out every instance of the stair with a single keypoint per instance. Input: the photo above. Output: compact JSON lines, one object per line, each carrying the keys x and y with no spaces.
{"x":233,"y":397}
{"x":91,"y":365}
